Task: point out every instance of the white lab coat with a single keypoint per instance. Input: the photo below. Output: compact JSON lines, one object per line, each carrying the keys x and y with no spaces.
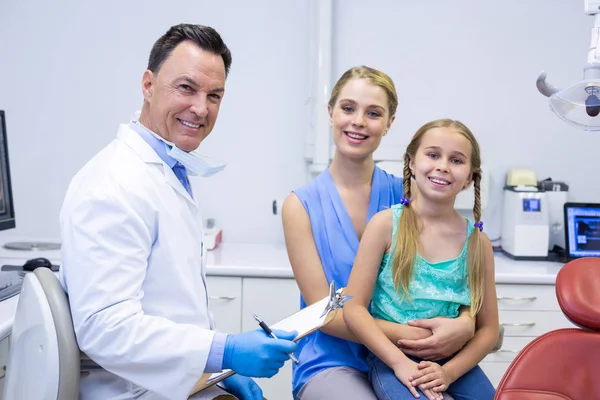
{"x":133,"y":268}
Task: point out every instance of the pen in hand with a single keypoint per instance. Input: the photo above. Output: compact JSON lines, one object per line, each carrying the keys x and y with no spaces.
{"x":269,"y":332}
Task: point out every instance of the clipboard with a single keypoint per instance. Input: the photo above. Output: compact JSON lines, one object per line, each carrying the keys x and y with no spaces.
{"x":305,"y":322}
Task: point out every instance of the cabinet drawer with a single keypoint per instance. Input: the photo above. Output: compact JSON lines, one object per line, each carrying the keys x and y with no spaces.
{"x":270,"y":299}
{"x":511,"y":346}
{"x":494,"y":371}
{"x":225,"y":302}
{"x":527,"y":297}
{"x":532,"y":323}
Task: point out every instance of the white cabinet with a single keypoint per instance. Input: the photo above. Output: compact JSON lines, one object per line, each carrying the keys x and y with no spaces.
{"x":525,"y":312}
{"x":225,"y":302}
{"x":271,"y":300}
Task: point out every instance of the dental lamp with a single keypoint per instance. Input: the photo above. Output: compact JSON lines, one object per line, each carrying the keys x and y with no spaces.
{"x":579,"y":105}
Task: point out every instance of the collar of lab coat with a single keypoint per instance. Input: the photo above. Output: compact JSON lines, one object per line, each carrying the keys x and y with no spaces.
{"x":149,"y":156}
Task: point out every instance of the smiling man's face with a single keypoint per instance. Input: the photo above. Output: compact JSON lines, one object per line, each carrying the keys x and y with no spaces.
{"x":182,"y":100}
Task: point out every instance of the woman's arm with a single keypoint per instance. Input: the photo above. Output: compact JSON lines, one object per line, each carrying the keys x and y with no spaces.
{"x":487,"y":326}
{"x":306,"y":263}
{"x":449,"y":335}
{"x":308,"y":272}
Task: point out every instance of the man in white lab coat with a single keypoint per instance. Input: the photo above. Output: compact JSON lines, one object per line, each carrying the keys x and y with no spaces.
{"x":133,"y":254}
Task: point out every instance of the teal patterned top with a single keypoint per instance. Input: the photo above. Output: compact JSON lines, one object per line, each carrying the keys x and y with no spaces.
{"x":436,"y":289}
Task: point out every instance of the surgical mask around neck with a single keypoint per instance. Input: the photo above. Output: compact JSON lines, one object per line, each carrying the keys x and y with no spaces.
{"x":195,"y":163}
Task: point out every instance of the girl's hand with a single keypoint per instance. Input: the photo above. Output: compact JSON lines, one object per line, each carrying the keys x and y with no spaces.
{"x":405,"y":370}
{"x":431,"y":376}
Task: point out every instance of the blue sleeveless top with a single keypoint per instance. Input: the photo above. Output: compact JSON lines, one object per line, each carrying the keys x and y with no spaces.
{"x":435,"y":289}
{"x":337,"y":244}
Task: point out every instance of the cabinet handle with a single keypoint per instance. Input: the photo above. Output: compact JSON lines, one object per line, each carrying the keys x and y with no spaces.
{"x":505,"y":351}
{"x":518,"y":324}
{"x":518,"y":298}
{"x":221,"y":297}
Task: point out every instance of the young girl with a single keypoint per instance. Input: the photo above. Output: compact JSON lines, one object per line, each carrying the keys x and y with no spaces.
{"x":421,"y":259}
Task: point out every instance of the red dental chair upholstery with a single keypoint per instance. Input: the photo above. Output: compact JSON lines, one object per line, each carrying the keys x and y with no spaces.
{"x":563,"y":364}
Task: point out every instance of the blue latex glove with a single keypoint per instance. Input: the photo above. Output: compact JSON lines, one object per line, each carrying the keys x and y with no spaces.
{"x":243,"y":388}
{"x":256,"y":354}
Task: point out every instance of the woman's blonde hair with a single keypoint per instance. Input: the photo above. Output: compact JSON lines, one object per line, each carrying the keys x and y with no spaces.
{"x":372,"y":75}
{"x":407,"y":238}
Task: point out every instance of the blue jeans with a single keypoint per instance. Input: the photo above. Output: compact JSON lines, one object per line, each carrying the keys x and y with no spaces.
{"x":474,"y":385}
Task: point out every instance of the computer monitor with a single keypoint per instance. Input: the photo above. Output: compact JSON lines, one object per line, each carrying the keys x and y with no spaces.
{"x":582,"y":222}
{"x":7,"y":210}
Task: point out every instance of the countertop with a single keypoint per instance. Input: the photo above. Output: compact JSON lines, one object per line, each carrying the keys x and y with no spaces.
{"x":271,"y":261}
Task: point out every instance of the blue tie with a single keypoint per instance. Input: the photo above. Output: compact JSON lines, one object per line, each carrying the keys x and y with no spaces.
{"x":180,"y":173}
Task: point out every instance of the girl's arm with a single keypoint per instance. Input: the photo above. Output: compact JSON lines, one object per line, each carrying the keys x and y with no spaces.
{"x":373,"y":245}
{"x":400,"y":332}
{"x":375,"y":241}
{"x":487,"y":326}
{"x":308,"y":271}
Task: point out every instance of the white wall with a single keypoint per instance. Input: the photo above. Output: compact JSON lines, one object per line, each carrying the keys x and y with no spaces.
{"x":70,"y":72}
{"x":478,"y":61}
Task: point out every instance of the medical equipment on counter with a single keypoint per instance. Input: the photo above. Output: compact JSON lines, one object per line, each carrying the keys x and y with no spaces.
{"x":556,"y":197}
{"x":525,"y":219}
{"x":579,"y":105}
{"x":521,"y":177}
{"x":212,"y":235}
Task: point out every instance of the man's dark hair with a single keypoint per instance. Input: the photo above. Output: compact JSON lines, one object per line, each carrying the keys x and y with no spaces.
{"x":204,"y":37}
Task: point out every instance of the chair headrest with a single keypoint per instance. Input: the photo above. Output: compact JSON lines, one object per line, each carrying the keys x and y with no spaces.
{"x":578,"y":292}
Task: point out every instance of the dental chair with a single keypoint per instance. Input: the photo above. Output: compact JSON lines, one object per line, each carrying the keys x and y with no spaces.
{"x":563,"y":364}
{"x":44,"y":360}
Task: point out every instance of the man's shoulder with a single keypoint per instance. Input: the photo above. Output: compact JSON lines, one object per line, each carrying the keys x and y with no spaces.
{"x":115,"y":168}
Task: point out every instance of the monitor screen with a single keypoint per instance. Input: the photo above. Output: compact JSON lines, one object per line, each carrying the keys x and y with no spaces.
{"x":7,"y":212}
{"x":532,"y":205}
{"x":583,"y":229}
